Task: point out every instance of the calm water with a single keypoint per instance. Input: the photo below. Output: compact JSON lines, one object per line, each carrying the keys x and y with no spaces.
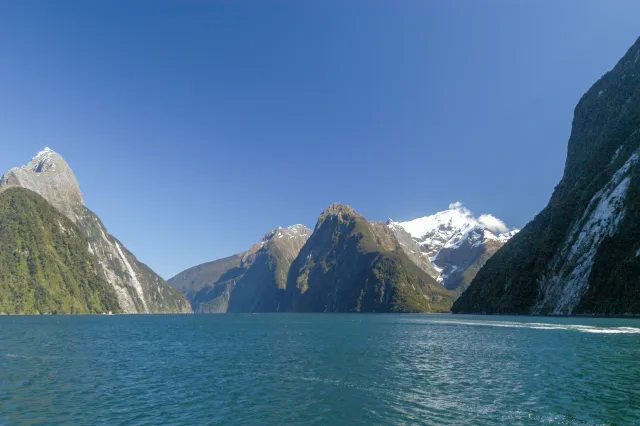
{"x":319,"y":369}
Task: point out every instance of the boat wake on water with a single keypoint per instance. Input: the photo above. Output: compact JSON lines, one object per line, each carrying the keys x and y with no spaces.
{"x":542,"y":326}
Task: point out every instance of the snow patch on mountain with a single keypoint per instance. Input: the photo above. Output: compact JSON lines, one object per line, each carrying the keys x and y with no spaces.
{"x":454,"y":230}
{"x":291,"y":232}
{"x":471,"y":232}
{"x":448,"y":228}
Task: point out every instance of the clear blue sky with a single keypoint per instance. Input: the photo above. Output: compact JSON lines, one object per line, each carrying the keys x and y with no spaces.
{"x":194,"y":127}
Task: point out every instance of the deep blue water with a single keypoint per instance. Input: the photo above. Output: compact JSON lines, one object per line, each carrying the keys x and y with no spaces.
{"x":319,"y":369}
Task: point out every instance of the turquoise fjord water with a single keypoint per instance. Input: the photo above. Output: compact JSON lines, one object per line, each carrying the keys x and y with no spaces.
{"x":319,"y":369}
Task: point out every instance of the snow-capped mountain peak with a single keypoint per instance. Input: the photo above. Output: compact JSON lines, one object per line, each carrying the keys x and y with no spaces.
{"x":290,"y":232}
{"x":435,"y":231}
{"x":446,"y":227}
{"x":455,"y":239}
{"x":453,"y":219}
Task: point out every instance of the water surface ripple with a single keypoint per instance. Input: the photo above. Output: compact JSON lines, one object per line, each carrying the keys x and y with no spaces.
{"x":319,"y":369}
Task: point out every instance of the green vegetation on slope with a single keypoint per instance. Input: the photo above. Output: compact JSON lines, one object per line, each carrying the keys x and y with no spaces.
{"x":247,"y":282}
{"x":603,"y":137}
{"x":351,"y":265}
{"x":45,"y":264}
{"x":192,"y":280}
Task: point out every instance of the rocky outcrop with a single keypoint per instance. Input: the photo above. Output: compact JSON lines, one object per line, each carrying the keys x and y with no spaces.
{"x":137,"y":287}
{"x":48,"y":175}
{"x":414,"y":251}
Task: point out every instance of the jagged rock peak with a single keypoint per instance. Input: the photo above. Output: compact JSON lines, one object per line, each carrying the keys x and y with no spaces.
{"x":342,"y":211}
{"x":453,"y":241}
{"x":43,"y":161}
{"x":440,"y":227}
{"x":49,"y":175}
{"x":293,"y":231}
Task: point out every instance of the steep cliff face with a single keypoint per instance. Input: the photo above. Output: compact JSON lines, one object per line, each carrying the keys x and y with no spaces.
{"x":352,"y":265}
{"x":580,"y":255}
{"x":50,"y":176}
{"x":247,"y":282}
{"x":45,"y":264}
{"x":413,"y":250}
{"x":138,"y":288}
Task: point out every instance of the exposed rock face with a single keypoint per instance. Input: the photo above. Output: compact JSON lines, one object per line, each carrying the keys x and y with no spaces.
{"x":414,"y":251}
{"x":580,"y":255}
{"x":247,"y":282}
{"x":463,"y":256}
{"x":45,"y":264}
{"x":453,"y":243}
{"x":352,"y":265}
{"x":50,"y":176}
{"x":138,"y":288}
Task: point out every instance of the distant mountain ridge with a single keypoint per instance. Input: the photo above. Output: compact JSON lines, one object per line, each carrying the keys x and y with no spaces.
{"x":246,"y":282}
{"x":346,"y":264}
{"x":345,"y":252}
{"x":138,"y":289}
{"x":454,"y":242}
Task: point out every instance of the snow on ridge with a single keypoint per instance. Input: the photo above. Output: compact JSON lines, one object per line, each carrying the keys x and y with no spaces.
{"x":45,"y":151}
{"x":456,"y":217}
{"x":44,"y":154}
{"x":293,"y":231}
{"x":299,"y":229}
{"x":506,"y":236}
{"x":448,"y":227}
{"x":471,"y":232}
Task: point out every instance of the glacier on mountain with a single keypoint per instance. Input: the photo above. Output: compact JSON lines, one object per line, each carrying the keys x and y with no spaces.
{"x":463,"y":236}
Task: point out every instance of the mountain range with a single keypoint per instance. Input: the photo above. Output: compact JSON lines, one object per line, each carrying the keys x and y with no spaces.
{"x":246,"y":282}
{"x":348,"y":264}
{"x":580,"y":255}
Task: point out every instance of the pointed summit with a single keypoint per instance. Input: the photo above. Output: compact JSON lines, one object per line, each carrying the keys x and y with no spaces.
{"x":46,"y":150}
{"x":290,"y":232}
{"x":352,"y":265}
{"x":337,"y":208}
{"x":455,"y":241}
{"x":343,"y":212}
{"x":48,"y":175}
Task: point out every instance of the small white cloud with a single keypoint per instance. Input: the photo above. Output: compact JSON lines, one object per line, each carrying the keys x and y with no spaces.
{"x":493,"y":224}
{"x":456,"y":205}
